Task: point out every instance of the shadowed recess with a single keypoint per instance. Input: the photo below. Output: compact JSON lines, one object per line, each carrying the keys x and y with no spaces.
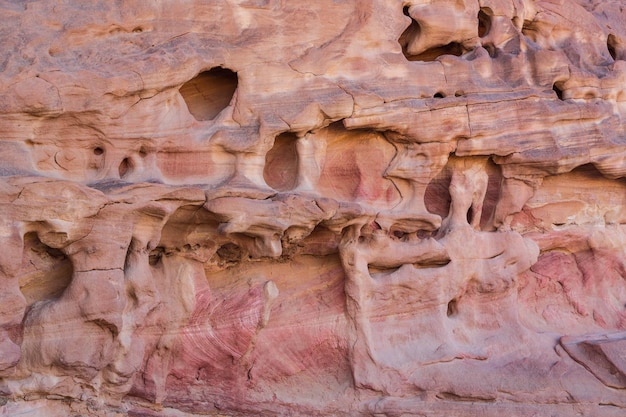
{"x":412,"y":33}
{"x":281,"y":163}
{"x":437,"y":196}
{"x":47,"y":271}
{"x":484,"y":21}
{"x":355,"y":164}
{"x":453,"y":48}
{"x":615,"y":47}
{"x":125,"y":167}
{"x":209,"y":92}
{"x":557,"y":88}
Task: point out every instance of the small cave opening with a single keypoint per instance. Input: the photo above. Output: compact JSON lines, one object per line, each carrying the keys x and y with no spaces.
{"x":46,"y":271}
{"x":210,"y":92}
{"x":484,"y":21}
{"x":558,"y":91}
{"x":613,"y":45}
{"x":281,"y":163}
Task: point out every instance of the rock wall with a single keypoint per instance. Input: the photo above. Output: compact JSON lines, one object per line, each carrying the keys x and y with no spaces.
{"x":355,"y":207}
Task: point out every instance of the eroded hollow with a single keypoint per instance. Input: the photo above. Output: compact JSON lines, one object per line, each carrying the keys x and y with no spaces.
{"x":229,"y":252}
{"x":484,"y":21}
{"x":453,"y":308}
{"x":453,"y":48}
{"x":281,"y":163}
{"x":613,"y":45}
{"x":558,"y":91}
{"x":46,"y":271}
{"x":411,"y":33}
{"x":437,"y":195}
{"x":209,"y":92}
{"x":355,"y":166}
{"x":125,"y":167}
{"x":155,"y":255}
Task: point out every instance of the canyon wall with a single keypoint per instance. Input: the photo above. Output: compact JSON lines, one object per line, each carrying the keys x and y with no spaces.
{"x":313,"y":208}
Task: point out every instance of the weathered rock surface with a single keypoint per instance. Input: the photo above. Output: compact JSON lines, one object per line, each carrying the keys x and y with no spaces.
{"x":358,"y":207}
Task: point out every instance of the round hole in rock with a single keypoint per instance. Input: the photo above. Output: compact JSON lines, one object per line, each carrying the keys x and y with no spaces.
{"x":210,"y":92}
{"x":46,"y":272}
{"x":281,"y":163}
{"x":98,"y":151}
{"x":439,"y":95}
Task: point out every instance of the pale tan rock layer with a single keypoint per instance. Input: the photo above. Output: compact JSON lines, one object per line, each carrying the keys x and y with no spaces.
{"x":359,"y":207}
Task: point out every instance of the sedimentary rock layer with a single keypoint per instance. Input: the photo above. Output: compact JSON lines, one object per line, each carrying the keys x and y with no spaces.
{"x":359,"y":208}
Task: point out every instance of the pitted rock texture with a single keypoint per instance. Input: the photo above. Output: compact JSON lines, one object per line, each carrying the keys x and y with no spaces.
{"x":357,"y":208}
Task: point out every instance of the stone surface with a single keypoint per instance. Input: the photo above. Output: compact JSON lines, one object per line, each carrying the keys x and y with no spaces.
{"x":358,"y":208}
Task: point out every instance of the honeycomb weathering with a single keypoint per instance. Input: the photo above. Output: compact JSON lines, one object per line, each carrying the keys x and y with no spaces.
{"x":210,"y":92}
{"x":356,"y":208}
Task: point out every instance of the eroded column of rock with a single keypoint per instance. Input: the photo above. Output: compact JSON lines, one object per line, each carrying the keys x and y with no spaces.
{"x":261,"y":207}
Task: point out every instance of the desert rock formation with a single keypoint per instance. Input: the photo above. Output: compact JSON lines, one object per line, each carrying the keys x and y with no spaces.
{"x":327,"y":208}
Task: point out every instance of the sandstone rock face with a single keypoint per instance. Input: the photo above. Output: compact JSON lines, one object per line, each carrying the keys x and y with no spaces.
{"x":356,"y":207}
